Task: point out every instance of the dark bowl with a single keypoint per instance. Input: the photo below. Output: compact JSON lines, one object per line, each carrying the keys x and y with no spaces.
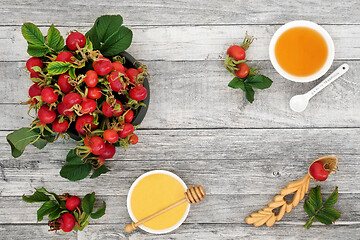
{"x":141,"y":111}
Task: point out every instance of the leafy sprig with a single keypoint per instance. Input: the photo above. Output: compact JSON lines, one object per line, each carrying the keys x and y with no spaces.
{"x":250,"y":82}
{"x":38,"y":45}
{"x":54,"y":206}
{"x":320,"y":210}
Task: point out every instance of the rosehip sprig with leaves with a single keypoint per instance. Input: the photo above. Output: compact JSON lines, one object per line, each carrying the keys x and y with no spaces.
{"x":245,"y":78}
{"x":65,"y":212}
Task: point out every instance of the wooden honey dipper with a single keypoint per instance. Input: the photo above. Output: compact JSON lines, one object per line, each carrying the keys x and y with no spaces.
{"x":192,"y":195}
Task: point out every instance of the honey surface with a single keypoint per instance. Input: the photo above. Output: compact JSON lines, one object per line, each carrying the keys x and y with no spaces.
{"x":301,"y":51}
{"x":156,"y":192}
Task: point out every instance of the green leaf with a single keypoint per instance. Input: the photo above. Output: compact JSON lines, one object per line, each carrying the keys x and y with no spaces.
{"x":88,"y":203}
{"x":331,"y":213}
{"x":60,"y":45}
{"x":19,"y":139}
{"x":259,"y":81}
{"x":100,"y":212}
{"x":108,"y":36}
{"x":36,"y":197}
{"x":237,"y":83}
{"x":75,"y":172}
{"x":315,"y":197}
{"x":321,"y":217}
{"x":40,"y":143}
{"x":117,"y":42}
{"x":32,"y":34}
{"x":72,"y":158}
{"x":54,"y":195}
{"x":72,"y":73}
{"x":309,"y":209}
{"x":47,"y":208}
{"x":37,"y":50}
{"x":92,"y":35}
{"x":53,"y":37}
{"x":56,"y":214}
{"x":57,"y":68}
{"x":249,"y":93}
{"x":332,"y":199}
{"x":101,"y":170}
{"x":107,"y":25}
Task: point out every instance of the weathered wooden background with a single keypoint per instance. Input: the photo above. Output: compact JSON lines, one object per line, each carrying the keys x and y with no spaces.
{"x":196,"y":126}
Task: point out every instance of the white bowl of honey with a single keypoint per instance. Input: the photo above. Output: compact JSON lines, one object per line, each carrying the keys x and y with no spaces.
{"x":301,"y":51}
{"x":152,"y":192}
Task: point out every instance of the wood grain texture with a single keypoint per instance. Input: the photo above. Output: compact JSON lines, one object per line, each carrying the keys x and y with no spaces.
{"x":187,"y":95}
{"x":227,"y":208}
{"x":179,"y":12}
{"x":228,"y":231}
{"x":228,"y":161}
{"x":32,"y":231}
{"x":191,"y":43}
{"x":196,"y":126}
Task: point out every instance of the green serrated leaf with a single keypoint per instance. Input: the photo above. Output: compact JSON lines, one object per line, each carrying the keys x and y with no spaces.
{"x":19,"y":139}
{"x":75,"y":172}
{"x":53,"y":37}
{"x":36,"y":197}
{"x":92,"y":35}
{"x":249,"y":93}
{"x":309,"y":209}
{"x":101,"y":170}
{"x":332,"y":199}
{"x":56,"y":214}
{"x":37,"y":50}
{"x":259,"y":81}
{"x":89,"y":44}
{"x":72,"y":73}
{"x":72,"y":158}
{"x":88,"y":203}
{"x":331,"y":213}
{"x":60,"y":45}
{"x":100,"y":212}
{"x":107,"y":25}
{"x":321,"y":217}
{"x":237,"y":83}
{"x":54,"y":195}
{"x":117,"y":42}
{"x":57,"y":68}
{"x":315,"y":197}
{"x":47,"y":208}
{"x":40,"y":143}
{"x":32,"y":34}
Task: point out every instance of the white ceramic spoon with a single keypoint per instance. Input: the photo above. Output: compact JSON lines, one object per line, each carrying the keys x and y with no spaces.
{"x":299,"y":103}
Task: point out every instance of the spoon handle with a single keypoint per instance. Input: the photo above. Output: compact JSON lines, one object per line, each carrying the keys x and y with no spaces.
{"x":332,"y":77}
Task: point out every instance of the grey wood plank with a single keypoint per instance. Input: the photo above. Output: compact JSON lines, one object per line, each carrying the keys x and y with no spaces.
{"x":226,"y":208}
{"x":227,"y":231}
{"x":33,"y":231}
{"x":186,"y":95}
{"x":180,"y":12}
{"x":185,"y":43}
{"x":225,"y":161}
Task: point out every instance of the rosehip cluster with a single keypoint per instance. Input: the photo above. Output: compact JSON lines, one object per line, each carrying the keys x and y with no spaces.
{"x":99,"y":98}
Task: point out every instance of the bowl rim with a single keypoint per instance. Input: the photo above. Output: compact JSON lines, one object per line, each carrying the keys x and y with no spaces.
{"x":317,"y":28}
{"x":132,"y":216}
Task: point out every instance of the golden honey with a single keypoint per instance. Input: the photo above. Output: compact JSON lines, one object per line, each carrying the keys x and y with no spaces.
{"x":301,"y":51}
{"x":154,"y":193}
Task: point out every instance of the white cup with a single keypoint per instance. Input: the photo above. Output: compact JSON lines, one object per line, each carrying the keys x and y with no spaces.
{"x":134,"y":219}
{"x":317,"y":28}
